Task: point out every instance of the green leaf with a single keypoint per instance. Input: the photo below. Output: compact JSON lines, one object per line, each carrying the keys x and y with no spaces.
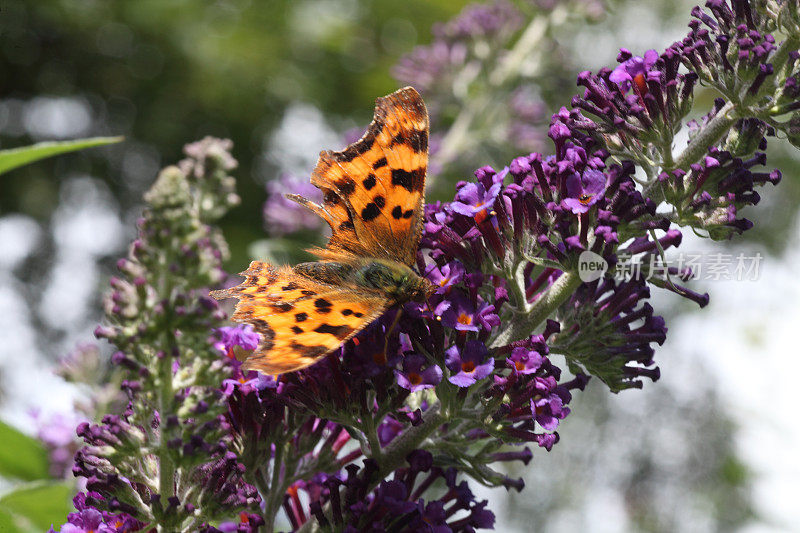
{"x":38,"y":505}
{"x":16,"y":157}
{"x":21,"y":456}
{"x":8,"y":522}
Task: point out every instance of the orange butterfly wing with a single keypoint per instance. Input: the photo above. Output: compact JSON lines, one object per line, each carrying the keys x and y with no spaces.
{"x":373,"y":201}
{"x":374,"y":189}
{"x":300,"y":320}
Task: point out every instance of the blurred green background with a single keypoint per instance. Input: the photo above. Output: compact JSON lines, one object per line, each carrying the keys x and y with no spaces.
{"x":284,"y":79}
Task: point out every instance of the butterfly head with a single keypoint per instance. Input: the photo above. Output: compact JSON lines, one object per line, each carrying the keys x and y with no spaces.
{"x":394,"y":279}
{"x":418,"y":289}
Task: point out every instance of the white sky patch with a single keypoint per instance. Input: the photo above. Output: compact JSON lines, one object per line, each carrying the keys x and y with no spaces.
{"x":57,"y":117}
{"x":29,"y":379}
{"x":295,"y":145}
{"x":747,"y":337}
{"x":19,"y":236}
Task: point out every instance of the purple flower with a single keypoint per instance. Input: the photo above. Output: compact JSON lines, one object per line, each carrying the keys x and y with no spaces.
{"x":547,"y":407}
{"x":57,"y":432}
{"x":470,"y":365}
{"x":281,"y":215}
{"x":474,"y":200}
{"x":487,"y":316}
{"x":414,"y":378}
{"x":584,"y":191}
{"x":480,"y":517}
{"x":389,"y":429}
{"x":525,"y":361}
{"x":446,"y":276}
{"x":87,"y":519}
{"x":634,"y":70}
{"x":248,"y":382}
{"x":458,"y":313}
{"x":434,"y":516}
{"x":620,"y":327}
{"x":241,"y":335}
{"x":393,"y":495}
{"x":82,"y":364}
{"x":495,"y":21}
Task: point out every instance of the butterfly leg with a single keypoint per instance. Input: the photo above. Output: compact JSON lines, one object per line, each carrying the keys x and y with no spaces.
{"x":391,"y":329}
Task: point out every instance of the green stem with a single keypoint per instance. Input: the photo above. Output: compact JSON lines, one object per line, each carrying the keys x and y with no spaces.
{"x":516,"y":283}
{"x":372,"y":439}
{"x":277,"y":490}
{"x":524,"y":325}
{"x":784,"y":49}
{"x":522,"y":50}
{"x":395,"y":453}
{"x":166,"y":468}
{"x":707,"y":137}
{"x":455,"y":140}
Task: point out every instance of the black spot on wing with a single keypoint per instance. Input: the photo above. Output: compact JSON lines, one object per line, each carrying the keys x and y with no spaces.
{"x":290,"y":286}
{"x":323,"y":306}
{"x":266,"y":332}
{"x":346,"y":185}
{"x":297,"y":329}
{"x":370,"y":212}
{"x":419,"y":141}
{"x":340,"y":332}
{"x":282,"y":307}
{"x":409,"y":180}
{"x":331,"y":198}
{"x":380,"y":201}
{"x":370,"y":181}
{"x":379,"y":163}
{"x":347,"y":312}
{"x":308,"y":351}
{"x":301,"y":317}
{"x":346,"y":225}
{"x":356,"y":149}
{"x":416,"y":139}
{"x":398,"y":212}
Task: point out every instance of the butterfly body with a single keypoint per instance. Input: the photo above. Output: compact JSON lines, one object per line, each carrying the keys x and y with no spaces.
{"x":392,"y":279}
{"x":373,"y":196}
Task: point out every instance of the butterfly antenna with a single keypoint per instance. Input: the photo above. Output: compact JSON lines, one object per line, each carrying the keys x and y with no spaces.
{"x":429,"y":270}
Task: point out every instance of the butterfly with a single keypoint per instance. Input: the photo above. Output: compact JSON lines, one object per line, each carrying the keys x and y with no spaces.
{"x":373,"y":199}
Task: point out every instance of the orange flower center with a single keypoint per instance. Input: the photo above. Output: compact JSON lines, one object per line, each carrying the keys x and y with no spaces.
{"x":414,"y":378}
{"x":465,"y":319}
{"x":520,"y":365}
{"x":468,"y":367}
{"x":585,"y":198}
{"x":641,"y":83}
